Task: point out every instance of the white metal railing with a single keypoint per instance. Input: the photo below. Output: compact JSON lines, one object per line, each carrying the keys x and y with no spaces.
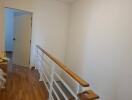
{"x":57,"y":81}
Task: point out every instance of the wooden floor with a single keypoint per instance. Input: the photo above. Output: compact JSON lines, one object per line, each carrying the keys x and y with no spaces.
{"x":23,"y":84}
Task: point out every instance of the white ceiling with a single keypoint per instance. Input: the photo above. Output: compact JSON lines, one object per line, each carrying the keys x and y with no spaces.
{"x":65,"y":1}
{"x":68,"y":1}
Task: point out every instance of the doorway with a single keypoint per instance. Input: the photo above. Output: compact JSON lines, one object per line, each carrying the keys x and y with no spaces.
{"x":18,"y":29}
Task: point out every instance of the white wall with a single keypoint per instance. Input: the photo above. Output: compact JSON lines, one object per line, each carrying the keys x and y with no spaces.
{"x":50,"y":24}
{"x":9,"y":27}
{"x":20,"y":4}
{"x":100,"y":46}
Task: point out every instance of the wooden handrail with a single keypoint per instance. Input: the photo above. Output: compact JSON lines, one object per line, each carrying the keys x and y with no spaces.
{"x":82,"y":82}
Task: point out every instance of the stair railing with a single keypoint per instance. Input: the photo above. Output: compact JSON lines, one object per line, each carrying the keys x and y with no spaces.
{"x":60,"y":81}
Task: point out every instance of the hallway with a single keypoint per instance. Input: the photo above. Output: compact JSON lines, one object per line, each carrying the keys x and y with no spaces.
{"x":23,"y":84}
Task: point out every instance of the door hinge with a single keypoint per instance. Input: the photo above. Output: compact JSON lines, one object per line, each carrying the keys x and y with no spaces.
{"x":31,"y":21}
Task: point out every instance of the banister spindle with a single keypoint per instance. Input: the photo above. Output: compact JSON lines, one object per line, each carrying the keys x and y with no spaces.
{"x":52,"y":81}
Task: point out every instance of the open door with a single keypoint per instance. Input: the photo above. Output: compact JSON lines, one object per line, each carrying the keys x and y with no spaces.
{"x":22,"y":39}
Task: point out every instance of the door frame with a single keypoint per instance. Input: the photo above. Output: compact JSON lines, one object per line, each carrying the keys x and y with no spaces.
{"x":31,"y":29}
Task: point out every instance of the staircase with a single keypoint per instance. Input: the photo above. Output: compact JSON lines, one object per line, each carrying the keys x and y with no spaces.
{"x":60,"y":81}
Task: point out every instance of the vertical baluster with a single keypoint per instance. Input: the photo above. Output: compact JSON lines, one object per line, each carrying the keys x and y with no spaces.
{"x":41,"y":73}
{"x":38,"y":64}
{"x":78,"y":90}
{"x":52,"y":80}
{"x":36,"y":58}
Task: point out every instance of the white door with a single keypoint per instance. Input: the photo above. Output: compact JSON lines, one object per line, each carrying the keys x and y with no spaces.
{"x":22,"y":39}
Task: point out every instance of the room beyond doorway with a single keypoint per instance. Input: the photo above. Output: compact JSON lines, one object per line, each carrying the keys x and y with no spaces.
{"x":18,"y":29}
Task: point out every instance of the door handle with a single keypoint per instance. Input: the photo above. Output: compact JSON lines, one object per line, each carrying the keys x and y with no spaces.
{"x":14,"y":39}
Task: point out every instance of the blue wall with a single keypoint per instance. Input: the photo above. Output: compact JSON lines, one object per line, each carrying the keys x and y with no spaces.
{"x":9,"y":27}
